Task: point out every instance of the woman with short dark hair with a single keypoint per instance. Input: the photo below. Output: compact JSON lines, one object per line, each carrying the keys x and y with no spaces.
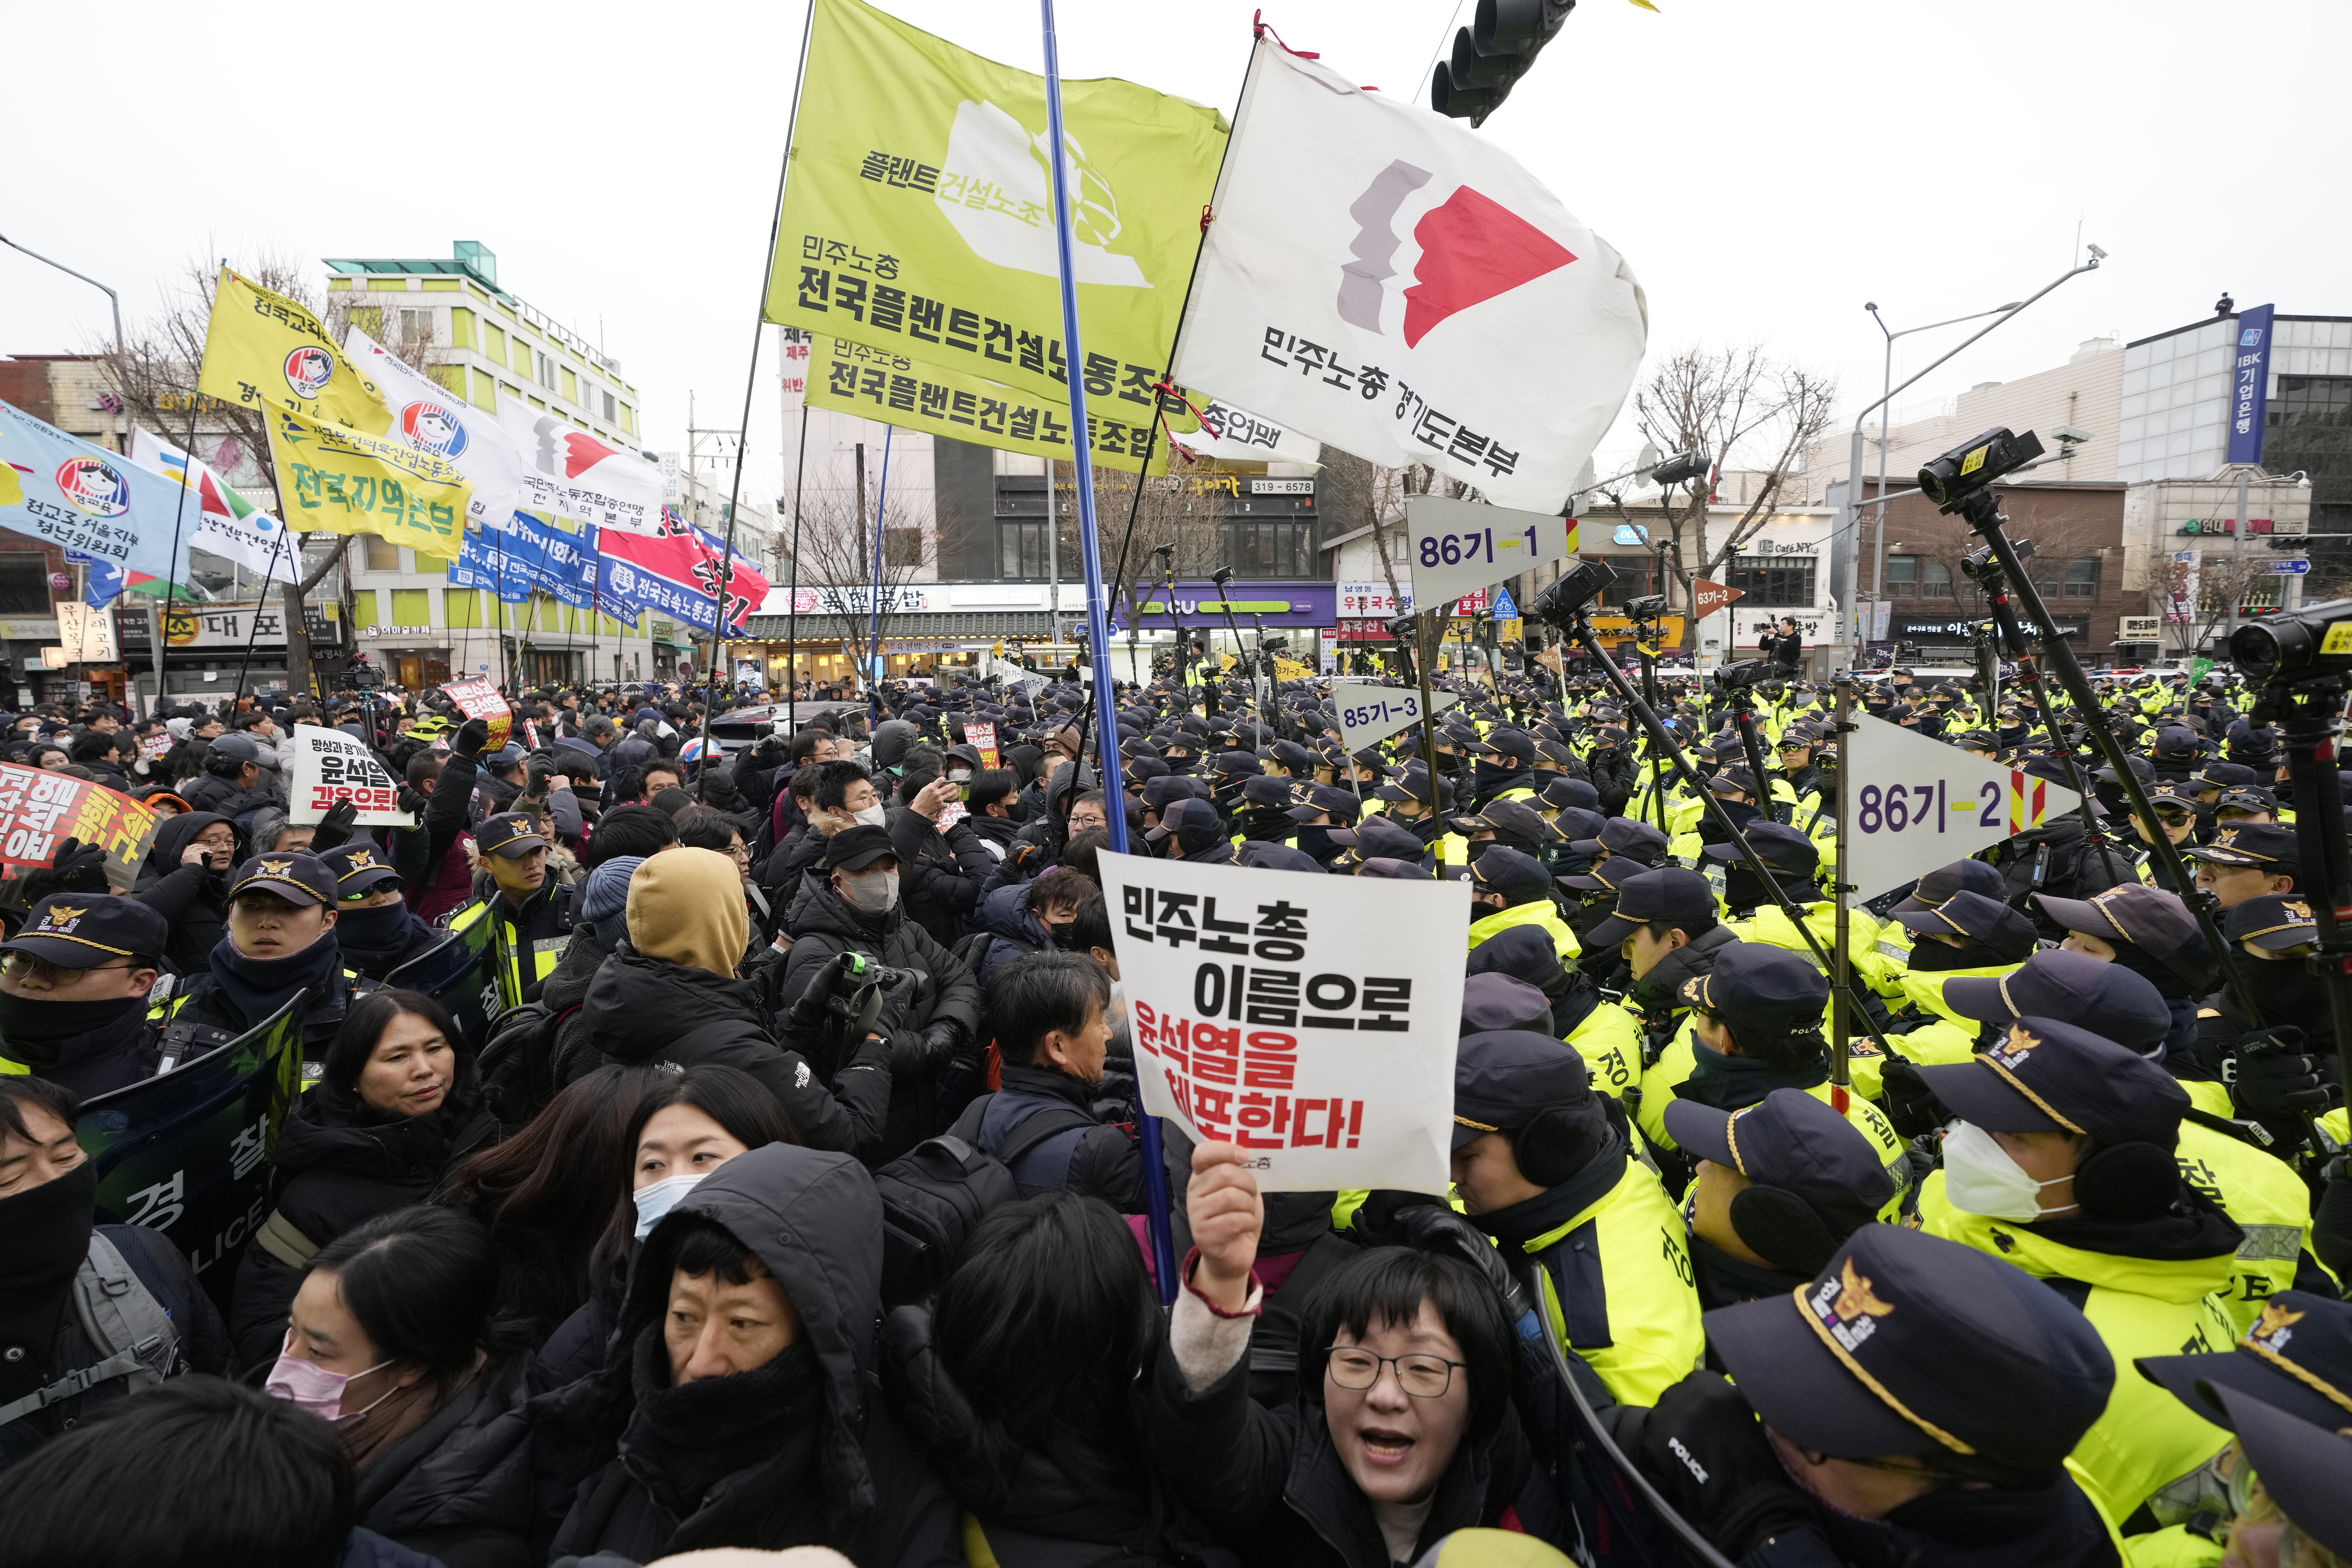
{"x":396,"y":1106}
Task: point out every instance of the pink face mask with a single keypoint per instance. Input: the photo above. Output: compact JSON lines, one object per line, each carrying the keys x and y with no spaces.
{"x":307,"y":1385}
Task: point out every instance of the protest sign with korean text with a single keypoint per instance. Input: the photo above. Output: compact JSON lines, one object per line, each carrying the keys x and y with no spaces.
{"x":1310,"y":1021}
{"x":331,"y":766}
{"x":1920,"y":804}
{"x":981,"y":738}
{"x":40,"y":809}
{"x":480,"y":699}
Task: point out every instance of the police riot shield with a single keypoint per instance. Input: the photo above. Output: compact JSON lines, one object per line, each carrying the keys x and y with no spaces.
{"x":1610,"y":1515}
{"x":186,"y":1152}
{"x":460,"y":972}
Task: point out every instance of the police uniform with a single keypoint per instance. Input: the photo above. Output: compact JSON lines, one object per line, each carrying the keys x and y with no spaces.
{"x":1602,"y":1248}
{"x":2048,"y":1077}
{"x":1450,"y":851}
{"x":1900,"y":1347}
{"x":73,"y":932}
{"x":1522,"y":881}
{"x":527,"y":941}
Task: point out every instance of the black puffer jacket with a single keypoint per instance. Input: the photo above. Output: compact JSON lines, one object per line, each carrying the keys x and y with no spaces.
{"x":643,"y":1009}
{"x":458,"y":1488}
{"x":339,"y":1162}
{"x":854,"y":1481}
{"x":939,"y":873}
{"x":944,"y":999}
{"x":213,"y":793}
{"x":194,"y":899}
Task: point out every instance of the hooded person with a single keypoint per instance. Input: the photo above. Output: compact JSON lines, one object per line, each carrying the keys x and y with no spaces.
{"x":184,"y":879}
{"x":279,"y":945}
{"x":669,"y":994}
{"x":600,"y":930}
{"x":76,"y":1296}
{"x":73,"y":991}
{"x":738,"y":1405}
{"x":926,"y":1019}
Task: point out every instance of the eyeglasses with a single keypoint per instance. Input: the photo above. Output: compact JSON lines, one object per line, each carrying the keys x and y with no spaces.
{"x":736,"y":853}
{"x":1421,"y":1377}
{"x":24,"y":966}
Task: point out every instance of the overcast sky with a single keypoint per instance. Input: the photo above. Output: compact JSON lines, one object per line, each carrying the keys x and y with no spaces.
{"x":1766,"y":167}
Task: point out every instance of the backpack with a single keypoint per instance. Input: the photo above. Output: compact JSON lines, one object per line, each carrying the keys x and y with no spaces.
{"x":934,"y":1194}
{"x":131,"y":1331}
{"x":517,"y":1064}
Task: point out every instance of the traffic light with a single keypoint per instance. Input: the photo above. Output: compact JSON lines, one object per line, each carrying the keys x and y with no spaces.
{"x":1492,"y":53}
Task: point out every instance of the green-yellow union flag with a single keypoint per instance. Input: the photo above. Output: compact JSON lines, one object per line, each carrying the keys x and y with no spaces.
{"x":918,"y":216}
{"x":343,"y":480}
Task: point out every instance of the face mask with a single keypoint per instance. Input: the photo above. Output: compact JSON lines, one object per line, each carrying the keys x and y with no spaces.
{"x":658,"y":1199}
{"x":960,"y":776}
{"x":873,"y":895}
{"x":871,"y":816}
{"x":309,"y":1386}
{"x":1980,"y":1178}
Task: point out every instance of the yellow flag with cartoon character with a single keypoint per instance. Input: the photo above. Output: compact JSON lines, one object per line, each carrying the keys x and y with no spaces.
{"x":263,"y":350}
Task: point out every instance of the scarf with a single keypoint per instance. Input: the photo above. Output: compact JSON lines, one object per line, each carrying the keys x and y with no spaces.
{"x":1726,"y":1281}
{"x":374,"y":936}
{"x":1936,"y":957}
{"x":257,"y":987}
{"x":1734,"y":1083}
{"x":36,"y":1033}
{"x":691,"y":1436}
{"x":1488,"y":778}
{"x":48,"y":1229}
{"x":1555,"y":1207}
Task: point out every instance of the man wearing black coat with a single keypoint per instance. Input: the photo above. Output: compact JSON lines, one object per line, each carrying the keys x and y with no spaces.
{"x":1048,"y":1014}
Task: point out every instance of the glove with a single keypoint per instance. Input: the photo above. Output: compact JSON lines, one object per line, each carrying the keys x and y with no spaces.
{"x":2276,"y":1078}
{"x":412,"y":800}
{"x":1706,"y":1451}
{"x":472,"y":736}
{"x":1432,"y":1227}
{"x":535,"y":775}
{"x":1024,"y":855}
{"x":334,"y":827}
{"x":78,"y":868}
{"x":1908,"y":1100}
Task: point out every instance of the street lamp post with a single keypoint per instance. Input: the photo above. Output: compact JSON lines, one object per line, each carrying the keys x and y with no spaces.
{"x":1878,"y":535}
{"x":1855,"y":503}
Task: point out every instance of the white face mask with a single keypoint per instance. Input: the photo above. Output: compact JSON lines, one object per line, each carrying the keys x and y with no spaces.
{"x":959,"y":775}
{"x":1980,"y":1177}
{"x":654,"y":1201}
{"x":871,"y":816}
{"x":874,"y":895}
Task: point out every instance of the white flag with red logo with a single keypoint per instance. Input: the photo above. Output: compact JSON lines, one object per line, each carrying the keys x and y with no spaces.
{"x":1389,"y":282}
{"x":430,"y":417}
{"x":570,"y":474}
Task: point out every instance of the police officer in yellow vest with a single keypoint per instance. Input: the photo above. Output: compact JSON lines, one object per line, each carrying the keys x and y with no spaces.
{"x":530,"y":911}
{"x":73,"y":991}
{"x":1968,"y":935}
{"x":1503,"y":764}
{"x":1510,"y":888}
{"x":1794,"y":861}
{"x":1542,"y":1166}
{"x":2062,"y":1162}
{"x":1413,"y":806}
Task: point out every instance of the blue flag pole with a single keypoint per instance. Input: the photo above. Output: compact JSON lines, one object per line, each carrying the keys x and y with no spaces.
{"x":1155,"y":1172}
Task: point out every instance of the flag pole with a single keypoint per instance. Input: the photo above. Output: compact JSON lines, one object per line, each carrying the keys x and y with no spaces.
{"x":793,"y":606}
{"x":162,"y":616}
{"x":1155,"y":1171}
{"x":872,"y":673}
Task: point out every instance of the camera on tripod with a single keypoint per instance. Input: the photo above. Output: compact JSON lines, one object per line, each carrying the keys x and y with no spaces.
{"x":1566,"y":599}
{"x":2310,"y":644}
{"x":1648,"y":607}
{"x":1741,"y":676}
{"x":1979,"y":566}
{"x":1949,"y":480}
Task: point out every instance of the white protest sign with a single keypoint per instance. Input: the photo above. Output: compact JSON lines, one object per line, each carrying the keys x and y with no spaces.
{"x":1311,"y":1021}
{"x":1370,"y":713}
{"x":1920,"y":804}
{"x":331,"y":766}
{"x":1459,"y":546}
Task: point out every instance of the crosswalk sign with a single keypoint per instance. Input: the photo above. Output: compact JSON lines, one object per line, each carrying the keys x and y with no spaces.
{"x":1502,"y":609}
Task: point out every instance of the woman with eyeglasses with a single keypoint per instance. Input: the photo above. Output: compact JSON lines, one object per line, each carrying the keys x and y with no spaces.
{"x":397,"y":1108}
{"x":1402,"y":1430}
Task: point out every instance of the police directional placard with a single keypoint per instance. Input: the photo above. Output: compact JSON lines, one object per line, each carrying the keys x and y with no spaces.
{"x":1920,"y":804}
{"x":1310,"y":1021}
{"x":1369,"y":714}
{"x":1458,"y":545}
{"x":331,"y":766}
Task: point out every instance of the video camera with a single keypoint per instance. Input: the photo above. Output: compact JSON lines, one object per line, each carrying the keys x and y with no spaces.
{"x":1949,"y":480}
{"x":1741,"y":676}
{"x":1648,"y":607}
{"x":842,"y":1006}
{"x":1979,"y":566}
{"x":1566,"y":599}
{"x":2311,"y":643}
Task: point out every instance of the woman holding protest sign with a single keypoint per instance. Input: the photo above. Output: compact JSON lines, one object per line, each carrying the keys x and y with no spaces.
{"x":1403,"y":1430}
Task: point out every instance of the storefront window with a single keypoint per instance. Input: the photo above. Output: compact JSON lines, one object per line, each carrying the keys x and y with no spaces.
{"x":1774,"y":582}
